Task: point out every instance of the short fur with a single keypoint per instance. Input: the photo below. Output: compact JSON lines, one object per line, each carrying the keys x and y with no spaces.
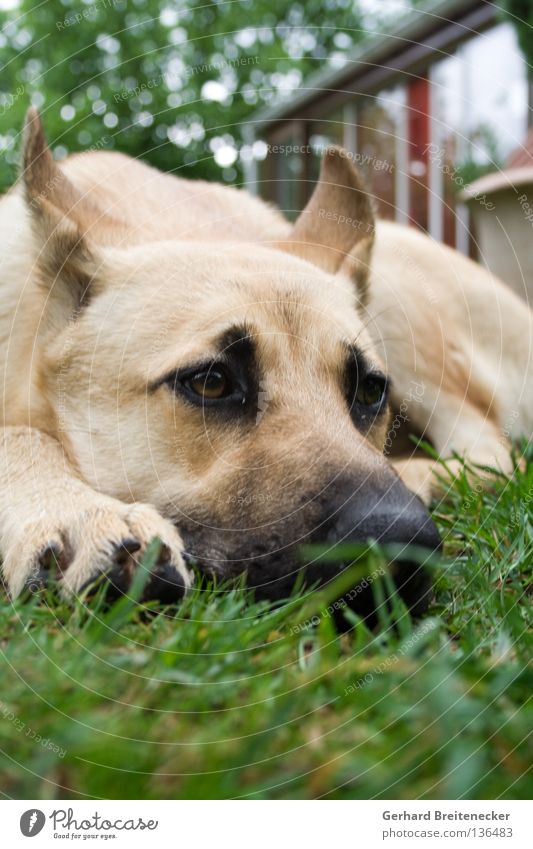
{"x":115,"y":275}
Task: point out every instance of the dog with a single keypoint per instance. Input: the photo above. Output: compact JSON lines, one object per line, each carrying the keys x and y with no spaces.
{"x":181,"y":362}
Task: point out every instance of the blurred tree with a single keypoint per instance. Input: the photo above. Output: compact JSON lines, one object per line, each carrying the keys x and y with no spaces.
{"x":520,"y":13}
{"x":173,"y":81}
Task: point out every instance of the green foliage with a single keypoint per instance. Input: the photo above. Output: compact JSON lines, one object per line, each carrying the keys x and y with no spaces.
{"x":470,"y":169}
{"x":520,"y":13}
{"x":168,"y":80}
{"x":223,"y":697}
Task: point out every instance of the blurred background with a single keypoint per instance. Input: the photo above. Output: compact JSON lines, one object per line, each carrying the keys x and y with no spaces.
{"x":432,"y":99}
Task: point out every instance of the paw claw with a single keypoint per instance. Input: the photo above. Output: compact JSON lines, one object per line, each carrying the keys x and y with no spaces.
{"x":52,"y":557}
{"x":117,"y":582}
{"x":165,"y":556}
{"x":124,"y":551}
{"x":166,"y":585}
{"x":38,"y":582}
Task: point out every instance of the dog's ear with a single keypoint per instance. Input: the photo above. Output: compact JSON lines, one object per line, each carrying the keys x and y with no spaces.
{"x":335,"y":231}
{"x":66,"y":261}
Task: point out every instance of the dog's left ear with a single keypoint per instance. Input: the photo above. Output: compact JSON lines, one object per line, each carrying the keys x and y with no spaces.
{"x":335,"y":231}
{"x":60,"y":217}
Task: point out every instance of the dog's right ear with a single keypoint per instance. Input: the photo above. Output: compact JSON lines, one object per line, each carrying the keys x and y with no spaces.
{"x":335,"y":231}
{"x":66,"y":261}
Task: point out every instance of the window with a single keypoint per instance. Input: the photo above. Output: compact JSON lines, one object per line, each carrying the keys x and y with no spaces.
{"x":479,"y":109}
{"x":380,"y":151}
{"x":282,"y":172}
{"x":322,"y":133}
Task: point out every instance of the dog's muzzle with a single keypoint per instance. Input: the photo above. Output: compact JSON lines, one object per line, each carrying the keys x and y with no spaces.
{"x":380,"y":510}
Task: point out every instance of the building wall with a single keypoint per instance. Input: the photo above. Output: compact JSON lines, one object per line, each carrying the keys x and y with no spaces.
{"x":418,"y":140}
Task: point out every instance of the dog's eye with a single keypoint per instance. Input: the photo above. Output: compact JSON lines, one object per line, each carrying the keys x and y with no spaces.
{"x":211,"y":385}
{"x":370,"y":391}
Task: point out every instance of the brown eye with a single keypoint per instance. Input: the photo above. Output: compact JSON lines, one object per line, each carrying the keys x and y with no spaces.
{"x":370,"y":391}
{"x":211,"y":385}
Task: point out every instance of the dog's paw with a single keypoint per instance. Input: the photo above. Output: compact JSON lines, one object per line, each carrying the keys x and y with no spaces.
{"x":103,"y":538}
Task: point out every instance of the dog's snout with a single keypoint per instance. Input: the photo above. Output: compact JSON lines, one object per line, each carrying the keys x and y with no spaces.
{"x":354,"y":509}
{"x":389,"y":513}
{"x":386,"y":512}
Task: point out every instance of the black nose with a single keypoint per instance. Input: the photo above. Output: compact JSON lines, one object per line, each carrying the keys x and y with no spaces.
{"x":385,"y":512}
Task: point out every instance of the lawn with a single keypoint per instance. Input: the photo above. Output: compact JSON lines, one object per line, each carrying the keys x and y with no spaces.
{"x":222,"y":697}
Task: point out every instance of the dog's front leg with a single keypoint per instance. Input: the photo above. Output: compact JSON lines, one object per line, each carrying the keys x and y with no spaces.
{"x":430,"y":479}
{"x":47,"y":515}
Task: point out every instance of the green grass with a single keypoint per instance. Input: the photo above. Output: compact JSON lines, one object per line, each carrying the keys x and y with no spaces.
{"x":223,"y":697}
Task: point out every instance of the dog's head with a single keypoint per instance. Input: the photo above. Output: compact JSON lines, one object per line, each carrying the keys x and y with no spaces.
{"x":234,"y":386}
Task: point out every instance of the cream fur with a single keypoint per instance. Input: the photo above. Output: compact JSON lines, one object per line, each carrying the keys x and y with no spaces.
{"x":93,"y":454}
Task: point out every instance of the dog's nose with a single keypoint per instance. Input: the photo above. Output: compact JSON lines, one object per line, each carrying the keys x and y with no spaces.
{"x":385,"y":511}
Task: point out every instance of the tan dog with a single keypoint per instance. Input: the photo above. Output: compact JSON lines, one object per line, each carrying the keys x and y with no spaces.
{"x":179,"y":361}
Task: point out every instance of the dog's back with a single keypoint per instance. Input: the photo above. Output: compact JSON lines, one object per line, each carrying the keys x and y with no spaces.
{"x":148,"y":205}
{"x":444,"y":320}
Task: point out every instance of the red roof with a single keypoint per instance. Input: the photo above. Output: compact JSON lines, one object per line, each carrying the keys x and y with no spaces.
{"x":522,"y":155}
